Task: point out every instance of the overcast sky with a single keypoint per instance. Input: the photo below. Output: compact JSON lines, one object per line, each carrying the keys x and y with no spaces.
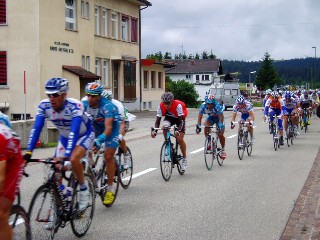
{"x":233,"y":29}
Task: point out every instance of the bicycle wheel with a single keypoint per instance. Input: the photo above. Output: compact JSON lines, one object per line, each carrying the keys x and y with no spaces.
{"x":248,"y":144}
{"x":305,"y":124}
{"x":81,"y":220}
{"x":275,"y":140}
{"x":19,"y":222}
{"x":125,"y":173}
{"x":241,"y":145}
{"x":166,"y":161}
{"x":17,"y":201}
{"x":208,"y":154}
{"x":42,"y":213}
{"x":217,"y":150}
{"x":178,"y":160}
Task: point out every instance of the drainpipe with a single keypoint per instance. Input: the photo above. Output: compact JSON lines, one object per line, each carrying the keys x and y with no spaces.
{"x":140,"y":55}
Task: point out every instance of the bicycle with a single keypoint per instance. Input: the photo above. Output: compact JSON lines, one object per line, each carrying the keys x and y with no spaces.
{"x":19,"y":220}
{"x":50,"y":209}
{"x":170,"y":155}
{"x":305,"y":120}
{"x":243,"y":142}
{"x":290,"y":131}
{"x":275,"y":133}
{"x":97,"y":170}
{"x":211,"y":149}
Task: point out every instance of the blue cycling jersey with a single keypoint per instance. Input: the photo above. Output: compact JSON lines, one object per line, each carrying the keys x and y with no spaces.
{"x":71,"y":122}
{"x":105,"y":110}
{"x":214,"y":112}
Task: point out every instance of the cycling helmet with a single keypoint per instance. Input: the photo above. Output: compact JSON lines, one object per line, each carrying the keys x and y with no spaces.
{"x":287,"y":95}
{"x":240,"y":99}
{"x":210,"y":99}
{"x":268,"y":91}
{"x":274,"y":94}
{"x":318,"y":93}
{"x":94,"y":88}
{"x":4,"y":119}
{"x":167,"y":97}
{"x":107,"y":94}
{"x":57,"y":85}
{"x":299,"y":92}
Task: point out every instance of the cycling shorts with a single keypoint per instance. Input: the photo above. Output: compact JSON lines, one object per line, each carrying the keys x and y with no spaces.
{"x":113,"y":140}
{"x":245,"y":117}
{"x":287,"y":111}
{"x":305,"y":105}
{"x":170,"y":121}
{"x":214,"y":120}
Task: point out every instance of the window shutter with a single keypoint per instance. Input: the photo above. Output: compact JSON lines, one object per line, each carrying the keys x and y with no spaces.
{"x":3,"y":11}
{"x":3,"y":68}
{"x":134,"y":32}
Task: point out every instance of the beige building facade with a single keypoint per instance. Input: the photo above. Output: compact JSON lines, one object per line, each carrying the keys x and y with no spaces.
{"x":80,"y":40}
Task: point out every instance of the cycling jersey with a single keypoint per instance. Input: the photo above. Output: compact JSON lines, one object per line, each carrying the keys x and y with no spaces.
{"x":178,"y":108}
{"x":273,"y":104}
{"x":10,"y":152}
{"x":72,"y":123}
{"x":105,"y":110}
{"x":289,"y":106}
{"x":243,"y":108}
{"x":214,"y":112}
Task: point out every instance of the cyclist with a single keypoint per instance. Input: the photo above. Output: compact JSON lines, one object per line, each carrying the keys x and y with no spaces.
{"x":305,"y":103}
{"x":11,"y":163}
{"x":74,"y":126}
{"x":266,"y":97}
{"x":123,"y":130}
{"x":246,"y":109}
{"x":290,"y":108}
{"x":175,"y":113}
{"x":274,"y":107}
{"x":106,"y":124}
{"x":215,"y":116}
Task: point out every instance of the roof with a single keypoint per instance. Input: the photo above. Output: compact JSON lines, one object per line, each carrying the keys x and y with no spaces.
{"x":81,"y":72}
{"x":141,"y":2}
{"x":149,"y":62}
{"x":194,"y":66}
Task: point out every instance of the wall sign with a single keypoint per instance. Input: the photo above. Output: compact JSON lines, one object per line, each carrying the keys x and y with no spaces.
{"x":61,"y":47}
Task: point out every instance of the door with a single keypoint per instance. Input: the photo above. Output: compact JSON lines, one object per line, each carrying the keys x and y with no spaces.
{"x":115,"y":78}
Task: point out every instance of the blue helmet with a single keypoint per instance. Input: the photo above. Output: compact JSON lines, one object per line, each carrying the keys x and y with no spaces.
{"x":287,"y":95}
{"x":94,"y":88}
{"x":4,"y":119}
{"x":210,"y":99}
{"x":57,"y":85}
{"x":240,"y":99}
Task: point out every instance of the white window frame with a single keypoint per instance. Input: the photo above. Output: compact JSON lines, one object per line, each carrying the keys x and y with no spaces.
{"x":114,"y":24}
{"x":87,"y":63}
{"x":125,"y":28}
{"x":98,"y":66}
{"x":105,"y":71}
{"x":105,"y":22}
{"x":73,"y":19}
{"x":84,"y":9}
{"x":97,"y":20}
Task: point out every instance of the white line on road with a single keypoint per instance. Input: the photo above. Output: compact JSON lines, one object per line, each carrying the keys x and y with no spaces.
{"x":232,"y":136}
{"x":143,"y":172}
{"x":198,"y":150}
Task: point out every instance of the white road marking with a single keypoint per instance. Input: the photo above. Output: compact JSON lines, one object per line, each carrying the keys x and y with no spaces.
{"x":141,"y":173}
{"x":198,"y":150}
{"x":232,"y":136}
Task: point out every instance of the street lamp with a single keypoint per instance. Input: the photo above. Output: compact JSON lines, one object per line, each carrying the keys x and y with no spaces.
{"x":250,"y":75}
{"x":315,"y":64}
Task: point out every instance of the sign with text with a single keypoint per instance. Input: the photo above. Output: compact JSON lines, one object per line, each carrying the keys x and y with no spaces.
{"x":61,"y":47}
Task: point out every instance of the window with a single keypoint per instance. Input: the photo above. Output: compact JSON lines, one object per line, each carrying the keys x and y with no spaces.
{"x":98,"y":66}
{"x":234,"y":92}
{"x":134,"y":30}
{"x":3,"y":11}
{"x":86,"y":62}
{"x":105,"y":73}
{"x":160,"y":80}
{"x":97,"y":20}
{"x":227,"y":92}
{"x":145,"y":79}
{"x":197,"y":77}
{"x":71,"y":16}
{"x":125,"y":28}
{"x":205,"y":77}
{"x":130,"y":80}
{"x":84,"y":9}
{"x":153,"y":79}
{"x":104,"y":22}
{"x":188,"y":76}
{"x":114,"y":25}
{"x":3,"y":68}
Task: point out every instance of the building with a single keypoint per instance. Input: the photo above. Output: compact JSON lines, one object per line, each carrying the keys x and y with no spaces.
{"x":200,"y":72}
{"x":153,"y":83}
{"x":80,"y":40}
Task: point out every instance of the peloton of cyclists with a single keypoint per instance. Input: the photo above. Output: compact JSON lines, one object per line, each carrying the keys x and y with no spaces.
{"x":215,"y":116}
{"x":246,"y":109}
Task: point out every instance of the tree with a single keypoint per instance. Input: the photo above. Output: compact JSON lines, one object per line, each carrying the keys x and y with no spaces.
{"x":183,"y":91}
{"x":167,"y":55}
{"x":212,"y":56}
{"x":267,"y":76}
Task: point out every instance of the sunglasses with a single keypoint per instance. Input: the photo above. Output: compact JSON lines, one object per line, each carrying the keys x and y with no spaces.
{"x":53,"y":95}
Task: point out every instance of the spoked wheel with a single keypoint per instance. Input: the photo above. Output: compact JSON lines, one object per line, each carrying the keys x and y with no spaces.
{"x":17,"y":201}
{"x":275,"y":141}
{"x":305,"y":125}
{"x":19,"y":222}
{"x":241,"y":146}
{"x":81,"y":220}
{"x":104,"y":184}
{"x":248,"y":144}
{"x":166,"y":161}
{"x":208,"y":154}
{"x":126,"y":169}
{"x":179,"y":158}
{"x":217,"y":151}
{"x":42,"y":213}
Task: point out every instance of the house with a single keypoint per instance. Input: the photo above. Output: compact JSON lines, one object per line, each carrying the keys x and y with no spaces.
{"x":200,"y":72}
{"x":80,"y":40}
{"x":153,"y":75}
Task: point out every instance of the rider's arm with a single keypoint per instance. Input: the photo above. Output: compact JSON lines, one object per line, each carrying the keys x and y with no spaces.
{"x":108,"y":122}
{"x":251,"y":115}
{"x":199,"y":119}
{"x":3,"y":162}
{"x":73,"y":135}
{"x":35,"y":132}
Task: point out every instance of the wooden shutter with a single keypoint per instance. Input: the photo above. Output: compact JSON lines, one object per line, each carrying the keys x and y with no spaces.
{"x":3,"y":68}
{"x":3,"y":11}
{"x":134,"y":30}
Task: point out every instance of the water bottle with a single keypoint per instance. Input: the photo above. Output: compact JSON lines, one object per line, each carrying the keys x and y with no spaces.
{"x":69,"y":195}
{"x":63,"y":192}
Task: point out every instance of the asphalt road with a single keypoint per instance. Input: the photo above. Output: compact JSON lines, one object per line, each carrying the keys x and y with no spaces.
{"x":248,"y":199}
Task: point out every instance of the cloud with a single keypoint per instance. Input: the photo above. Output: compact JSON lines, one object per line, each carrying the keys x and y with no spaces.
{"x":233,"y":29}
